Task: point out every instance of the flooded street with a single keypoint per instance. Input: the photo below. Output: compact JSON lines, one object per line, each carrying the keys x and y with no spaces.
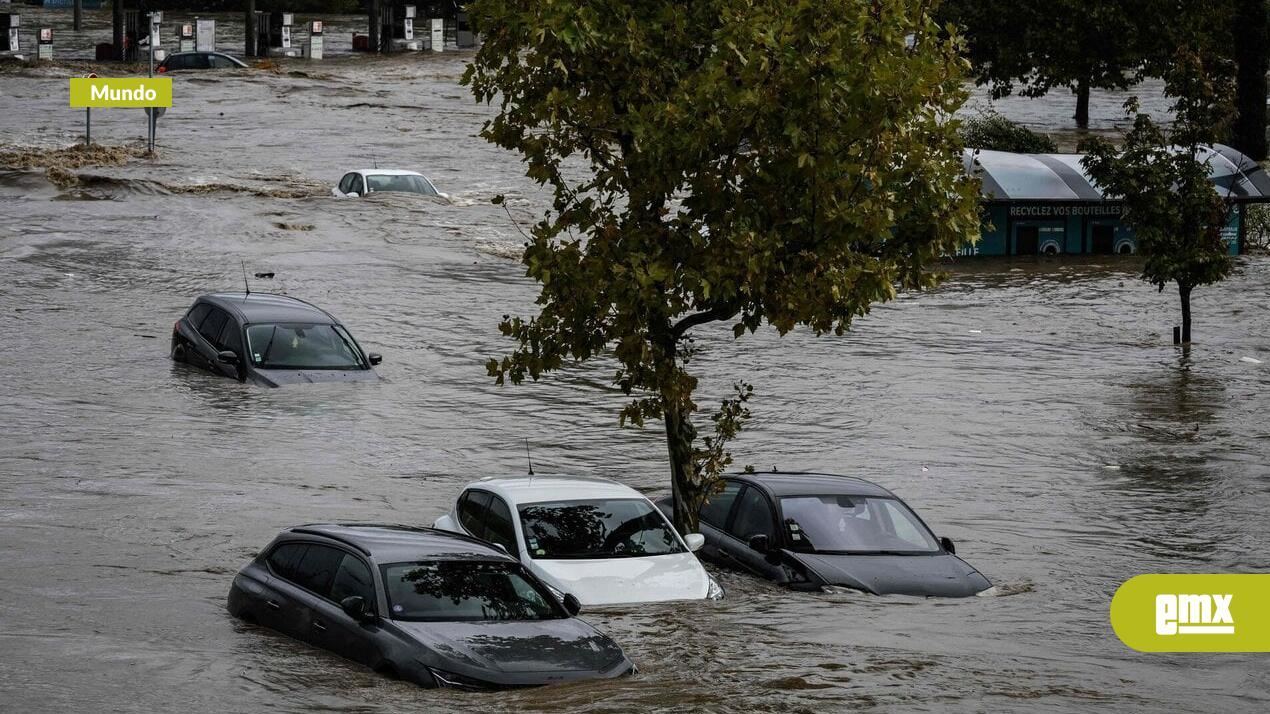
{"x":1034,"y":412}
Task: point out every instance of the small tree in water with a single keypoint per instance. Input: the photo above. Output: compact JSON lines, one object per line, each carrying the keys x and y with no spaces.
{"x":738,"y":161}
{"x":1162,"y":175}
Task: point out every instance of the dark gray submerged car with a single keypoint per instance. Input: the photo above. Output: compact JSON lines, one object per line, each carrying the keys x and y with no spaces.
{"x":810,"y":530}
{"x":270,"y":340}
{"x":431,"y":607}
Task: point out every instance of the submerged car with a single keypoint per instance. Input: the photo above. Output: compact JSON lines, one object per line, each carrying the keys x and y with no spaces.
{"x":809,"y":530}
{"x":199,"y":60}
{"x":430,"y":607}
{"x":269,"y":340}
{"x":595,"y":539}
{"x":367,"y":181}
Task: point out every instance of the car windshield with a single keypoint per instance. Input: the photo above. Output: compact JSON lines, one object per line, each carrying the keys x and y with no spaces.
{"x":854,"y":524}
{"x":616,"y":528}
{"x":302,"y":346}
{"x":403,"y":184}
{"x":465,"y":590}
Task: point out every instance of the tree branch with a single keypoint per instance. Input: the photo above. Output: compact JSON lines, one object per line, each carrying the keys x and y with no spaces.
{"x":719,"y":312}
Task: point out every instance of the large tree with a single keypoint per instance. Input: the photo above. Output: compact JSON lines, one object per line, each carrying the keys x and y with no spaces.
{"x":1040,"y":45}
{"x":787,"y":162}
{"x":1162,"y":173}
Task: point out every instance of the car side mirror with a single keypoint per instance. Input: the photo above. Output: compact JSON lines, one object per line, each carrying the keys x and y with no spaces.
{"x":374,"y":358}
{"x":694,"y":541}
{"x":947,"y":545}
{"x":227,"y":357}
{"x":571,"y":604}
{"x":355,"y":607}
{"x":760,"y":543}
{"x":353,"y":194}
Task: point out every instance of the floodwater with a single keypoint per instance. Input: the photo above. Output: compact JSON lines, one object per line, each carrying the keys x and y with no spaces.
{"x":1034,"y":412}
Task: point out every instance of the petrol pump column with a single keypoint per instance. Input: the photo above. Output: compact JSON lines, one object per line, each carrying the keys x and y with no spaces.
{"x":313,"y":48}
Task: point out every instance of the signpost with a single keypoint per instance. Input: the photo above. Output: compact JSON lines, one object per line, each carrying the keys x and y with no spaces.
{"x":88,"y":119}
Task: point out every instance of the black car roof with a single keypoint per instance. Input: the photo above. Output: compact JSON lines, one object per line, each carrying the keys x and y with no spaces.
{"x":394,"y":544}
{"x":267,"y":307}
{"x":793,"y":483}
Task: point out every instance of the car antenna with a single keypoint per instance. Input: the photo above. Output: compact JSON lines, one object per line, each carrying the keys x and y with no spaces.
{"x":531,"y":460}
{"x":245,"y":283}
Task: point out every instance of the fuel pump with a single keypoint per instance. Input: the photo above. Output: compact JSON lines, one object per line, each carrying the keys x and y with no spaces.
{"x":313,"y":48}
{"x":45,"y":49}
{"x":9,"y":23}
{"x":280,"y":45}
{"x":404,"y":31}
{"x":204,"y":35}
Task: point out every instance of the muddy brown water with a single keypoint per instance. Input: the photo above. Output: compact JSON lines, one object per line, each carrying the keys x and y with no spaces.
{"x":1033,"y":412}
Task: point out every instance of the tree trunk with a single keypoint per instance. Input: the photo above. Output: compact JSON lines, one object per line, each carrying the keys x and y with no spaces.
{"x":1082,"y":104}
{"x":78,"y":23}
{"x":249,"y":30}
{"x":1248,"y":133}
{"x":1184,"y":292}
{"x":684,"y":489}
{"x":116,"y":17}
{"x":372,"y":37}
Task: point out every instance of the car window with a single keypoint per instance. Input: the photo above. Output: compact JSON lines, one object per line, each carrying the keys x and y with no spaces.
{"x":231,"y":337}
{"x":472,"y":510}
{"x":715,"y":512}
{"x":346,"y":183}
{"x":358,"y":185}
{"x":197,"y":313}
{"x":211,"y":325}
{"x":854,"y":524}
{"x":352,"y":577}
{"x":498,"y":525}
{"x":317,"y":568}
{"x":753,"y":516}
{"x":592,"y":529}
{"x":400,"y":183}
{"x":219,"y":62}
{"x":464,"y":590}
{"x":303,"y":346}
{"x":285,"y":559}
{"x":196,"y":62}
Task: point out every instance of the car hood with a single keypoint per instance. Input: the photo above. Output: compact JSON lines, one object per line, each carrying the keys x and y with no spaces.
{"x":515,"y":647}
{"x":281,"y":377}
{"x":941,"y":575}
{"x":654,"y":578}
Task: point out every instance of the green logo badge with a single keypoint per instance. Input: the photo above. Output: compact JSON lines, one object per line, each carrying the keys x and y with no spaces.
{"x":1193,"y":613}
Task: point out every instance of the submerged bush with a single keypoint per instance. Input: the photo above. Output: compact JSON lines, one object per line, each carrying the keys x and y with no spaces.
{"x":994,"y":132}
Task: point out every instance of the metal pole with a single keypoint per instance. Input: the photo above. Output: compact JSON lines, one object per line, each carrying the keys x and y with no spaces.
{"x":117,"y":36}
{"x":79,"y":15}
{"x":249,"y":22}
{"x":88,"y":126}
{"x":150,"y":116}
{"x":375,"y":20}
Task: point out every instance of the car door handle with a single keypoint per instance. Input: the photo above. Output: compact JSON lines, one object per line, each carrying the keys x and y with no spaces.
{"x":273,"y":604}
{"x":319,"y":626}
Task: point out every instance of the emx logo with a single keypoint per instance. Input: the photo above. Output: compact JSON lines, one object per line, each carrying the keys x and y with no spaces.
{"x":1193,"y":613}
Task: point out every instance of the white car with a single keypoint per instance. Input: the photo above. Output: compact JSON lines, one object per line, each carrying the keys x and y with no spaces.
{"x":600,"y":541}
{"x":367,"y":181}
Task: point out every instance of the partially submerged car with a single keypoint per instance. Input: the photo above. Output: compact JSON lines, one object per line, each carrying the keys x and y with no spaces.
{"x":809,"y":530}
{"x":269,"y":340}
{"x":430,"y":607}
{"x":591,"y":538}
{"x":199,"y":60}
{"x":367,"y":181}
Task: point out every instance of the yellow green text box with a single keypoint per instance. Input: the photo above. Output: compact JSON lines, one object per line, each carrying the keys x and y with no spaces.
{"x":1194,"y":613}
{"x":121,"y":92}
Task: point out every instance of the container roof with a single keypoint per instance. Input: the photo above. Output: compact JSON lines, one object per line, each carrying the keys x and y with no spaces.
{"x":1060,"y":177}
